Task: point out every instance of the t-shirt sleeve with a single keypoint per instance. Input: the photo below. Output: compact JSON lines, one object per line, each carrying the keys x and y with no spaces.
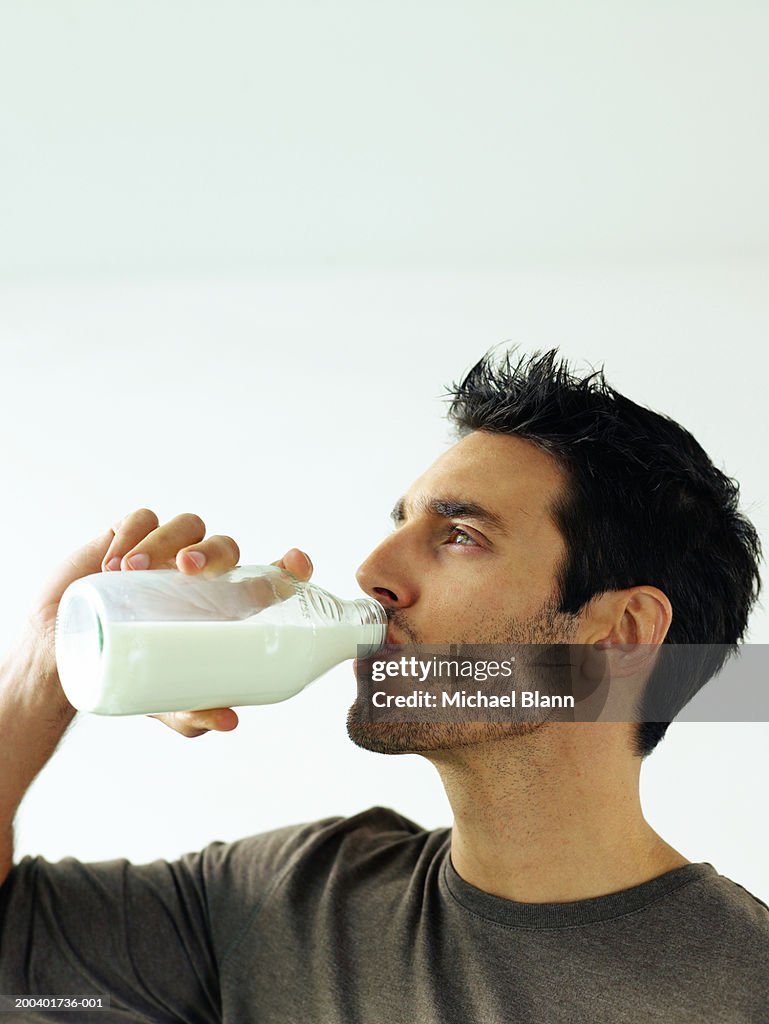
{"x":149,"y":936}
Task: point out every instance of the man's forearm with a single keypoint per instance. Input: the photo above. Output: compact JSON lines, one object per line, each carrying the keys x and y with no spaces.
{"x":34,"y":715}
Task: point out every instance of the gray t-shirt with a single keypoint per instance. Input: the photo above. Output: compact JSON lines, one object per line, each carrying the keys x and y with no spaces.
{"x":363,"y":920}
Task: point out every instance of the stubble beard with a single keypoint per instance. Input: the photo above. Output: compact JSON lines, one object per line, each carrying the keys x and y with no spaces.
{"x":549,"y":626}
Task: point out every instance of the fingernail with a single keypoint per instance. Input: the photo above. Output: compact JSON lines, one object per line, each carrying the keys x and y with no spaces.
{"x":141,"y":561}
{"x":309,"y":561}
{"x":114,"y":564}
{"x":197,"y":557}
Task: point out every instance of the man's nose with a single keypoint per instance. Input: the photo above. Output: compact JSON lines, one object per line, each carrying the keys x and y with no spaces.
{"x":384,"y":576}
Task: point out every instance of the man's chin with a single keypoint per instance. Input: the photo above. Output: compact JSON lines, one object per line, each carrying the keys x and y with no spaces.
{"x":387,"y":737}
{"x":426,"y":737}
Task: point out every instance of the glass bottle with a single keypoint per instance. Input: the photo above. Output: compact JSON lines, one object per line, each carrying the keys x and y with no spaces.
{"x":155,"y":640}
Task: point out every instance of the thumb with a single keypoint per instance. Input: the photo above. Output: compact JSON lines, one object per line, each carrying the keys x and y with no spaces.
{"x":297,"y":562}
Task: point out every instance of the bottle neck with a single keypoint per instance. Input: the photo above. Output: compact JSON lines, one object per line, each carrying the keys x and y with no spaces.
{"x":367,"y":615}
{"x":373,"y":620}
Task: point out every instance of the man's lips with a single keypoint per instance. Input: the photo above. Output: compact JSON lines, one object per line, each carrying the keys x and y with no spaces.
{"x":390,"y":638}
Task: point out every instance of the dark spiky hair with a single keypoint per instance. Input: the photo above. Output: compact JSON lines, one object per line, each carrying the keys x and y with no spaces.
{"x":644,"y":505}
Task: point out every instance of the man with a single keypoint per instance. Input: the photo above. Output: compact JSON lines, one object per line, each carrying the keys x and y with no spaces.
{"x":565,"y":513}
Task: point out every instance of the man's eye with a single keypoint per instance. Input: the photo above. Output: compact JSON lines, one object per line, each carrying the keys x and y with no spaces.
{"x":462,"y":536}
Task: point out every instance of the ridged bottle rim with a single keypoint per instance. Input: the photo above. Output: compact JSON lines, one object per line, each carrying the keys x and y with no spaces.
{"x":371,"y":612}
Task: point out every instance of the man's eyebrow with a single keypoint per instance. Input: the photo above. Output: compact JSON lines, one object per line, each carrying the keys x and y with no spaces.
{"x":450,"y":508}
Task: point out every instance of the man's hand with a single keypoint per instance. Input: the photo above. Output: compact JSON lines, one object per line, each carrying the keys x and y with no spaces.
{"x":137,"y":541}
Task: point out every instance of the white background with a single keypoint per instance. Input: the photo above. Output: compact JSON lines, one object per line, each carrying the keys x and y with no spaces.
{"x":243,"y":250}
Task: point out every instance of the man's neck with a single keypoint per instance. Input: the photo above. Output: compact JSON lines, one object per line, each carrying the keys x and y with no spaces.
{"x":552,"y":816}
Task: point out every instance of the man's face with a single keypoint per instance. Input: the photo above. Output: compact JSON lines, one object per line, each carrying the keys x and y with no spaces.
{"x":479,"y":575}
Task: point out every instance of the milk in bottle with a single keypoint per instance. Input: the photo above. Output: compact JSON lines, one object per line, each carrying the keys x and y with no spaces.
{"x":151,"y":641}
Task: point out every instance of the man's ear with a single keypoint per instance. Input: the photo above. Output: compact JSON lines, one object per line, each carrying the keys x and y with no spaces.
{"x":619,"y":640}
{"x":627,"y":628}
